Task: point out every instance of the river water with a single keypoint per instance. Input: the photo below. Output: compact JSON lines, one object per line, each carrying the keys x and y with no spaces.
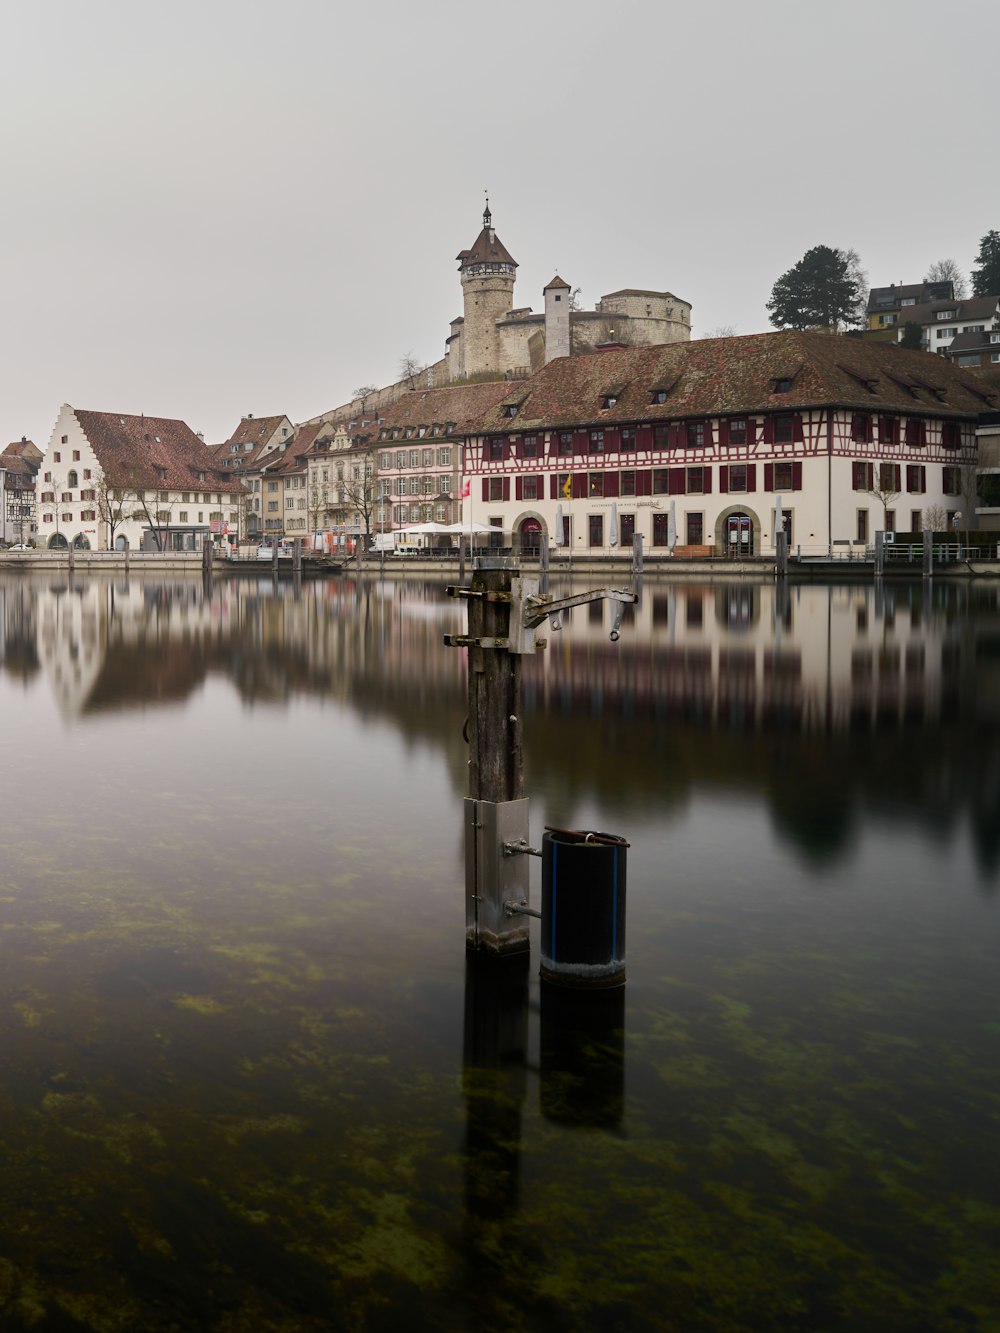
{"x":249,"y":1081}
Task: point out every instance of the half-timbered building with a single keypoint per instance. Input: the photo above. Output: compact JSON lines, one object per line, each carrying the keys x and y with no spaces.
{"x":700,"y":446}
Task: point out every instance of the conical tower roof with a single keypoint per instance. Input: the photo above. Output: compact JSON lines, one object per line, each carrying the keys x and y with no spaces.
{"x":487,"y":247}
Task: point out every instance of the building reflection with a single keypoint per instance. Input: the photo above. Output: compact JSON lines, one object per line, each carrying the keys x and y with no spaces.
{"x":793,"y":691}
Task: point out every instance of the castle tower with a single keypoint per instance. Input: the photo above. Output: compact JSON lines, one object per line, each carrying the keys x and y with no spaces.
{"x":556,"y":295}
{"x":488,"y":273}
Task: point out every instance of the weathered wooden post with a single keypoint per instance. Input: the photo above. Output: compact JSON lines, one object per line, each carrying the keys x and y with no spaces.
{"x":928,"y":555}
{"x":206,"y":559}
{"x":879,"y":553}
{"x":781,"y":554}
{"x":504,"y":610}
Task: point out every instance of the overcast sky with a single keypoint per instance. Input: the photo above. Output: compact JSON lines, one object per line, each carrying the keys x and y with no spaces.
{"x":214,"y":207}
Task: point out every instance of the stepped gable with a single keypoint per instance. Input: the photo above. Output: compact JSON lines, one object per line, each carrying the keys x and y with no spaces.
{"x":463,"y":406}
{"x":154,"y":452}
{"x":726,"y":376}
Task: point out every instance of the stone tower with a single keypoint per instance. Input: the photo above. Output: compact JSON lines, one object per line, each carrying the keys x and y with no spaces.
{"x":488,"y":273}
{"x":557,"y":301}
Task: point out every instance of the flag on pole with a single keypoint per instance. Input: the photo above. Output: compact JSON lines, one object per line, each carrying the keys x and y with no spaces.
{"x":466,"y":487}
{"x":567,"y":489}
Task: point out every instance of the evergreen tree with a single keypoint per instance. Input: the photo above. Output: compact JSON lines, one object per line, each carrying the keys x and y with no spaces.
{"x":913,"y":336}
{"x":986,"y":274}
{"x":821,"y":291}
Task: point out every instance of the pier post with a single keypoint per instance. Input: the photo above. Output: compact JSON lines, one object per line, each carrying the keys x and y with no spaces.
{"x":928,"y":555}
{"x":879,"y":553}
{"x":781,"y":554}
{"x":297,"y":557}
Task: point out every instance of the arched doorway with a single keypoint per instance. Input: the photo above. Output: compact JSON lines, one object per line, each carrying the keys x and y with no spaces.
{"x":80,"y":542}
{"x":531,"y":537}
{"x":57,"y":542}
{"x":737,"y":533}
{"x":121,"y":542}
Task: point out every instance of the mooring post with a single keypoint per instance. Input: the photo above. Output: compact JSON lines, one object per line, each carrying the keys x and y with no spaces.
{"x":928,"y":555}
{"x":297,"y":557}
{"x":879,"y":553}
{"x":206,"y":559}
{"x":543,"y":563}
{"x":781,"y":554}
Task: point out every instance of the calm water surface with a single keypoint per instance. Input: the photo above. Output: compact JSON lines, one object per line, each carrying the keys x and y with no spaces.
{"x":248,"y":1082}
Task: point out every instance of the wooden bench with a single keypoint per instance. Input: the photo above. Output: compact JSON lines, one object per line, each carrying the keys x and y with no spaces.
{"x":693,"y":552}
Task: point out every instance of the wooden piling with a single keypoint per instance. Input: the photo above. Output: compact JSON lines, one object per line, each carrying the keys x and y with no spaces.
{"x":495,"y":730}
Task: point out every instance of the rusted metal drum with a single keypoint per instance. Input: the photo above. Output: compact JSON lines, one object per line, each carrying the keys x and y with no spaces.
{"x":583,"y":908}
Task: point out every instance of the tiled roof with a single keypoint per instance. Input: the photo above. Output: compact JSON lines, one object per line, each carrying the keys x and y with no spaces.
{"x":487,"y":249}
{"x":151,"y":452}
{"x":256,"y":429}
{"x":14,"y":463}
{"x":730,"y":376}
{"x":976,"y":307}
{"x":881,"y":299}
{"x":556,"y":282}
{"x":461,"y":404}
{"x":972,"y":342}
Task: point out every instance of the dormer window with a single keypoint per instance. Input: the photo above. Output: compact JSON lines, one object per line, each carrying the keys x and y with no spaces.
{"x":234,"y":449}
{"x":510,"y":410}
{"x":658,"y":396}
{"x":609,"y":400}
{"x":781,"y":385}
{"x":946,"y":314}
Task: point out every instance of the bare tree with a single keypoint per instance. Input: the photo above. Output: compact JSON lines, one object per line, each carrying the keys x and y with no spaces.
{"x":576,"y":299}
{"x":885,"y":491}
{"x":113,"y":505}
{"x":859,"y":277}
{"x":935,"y":518}
{"x":360,"y":492}
{"x":409,"y":369}
{"x":946,"y":270}
{"x":364,"y":393}
{"x":722,"y":331}
{"x":319,"y":504}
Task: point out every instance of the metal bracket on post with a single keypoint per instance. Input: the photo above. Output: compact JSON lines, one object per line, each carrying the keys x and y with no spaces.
{"x":494,"y":875}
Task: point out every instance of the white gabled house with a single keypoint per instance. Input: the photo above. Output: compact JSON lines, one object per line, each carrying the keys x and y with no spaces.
{"x":115,"y":481}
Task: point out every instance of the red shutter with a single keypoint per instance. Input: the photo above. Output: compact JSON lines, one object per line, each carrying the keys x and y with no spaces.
{"x":871,"y":476}
{"x":769,"y":430}
{"x":643,"y":436}
{"x":540,"y":485}
{"x":768,"y":476}
{"x":797,"y":433}
{"x":553,"y":487}
{"x":724,"y":479}
{"x":869,"y":429}
{"x":518,"y":488}
{"x":751,"y":430}
{"x":644,"y":482}
{"x":677,"y":437}
{"x":611,"y":484}
{"x":486,"y":451}
{"x":579,"y":485}
{"x":580,"y":442}
{"x":675,"y":481}
{"x":706,"y":482}
{"x":506,"y":488}
{"x":723,"y":433}
{"x":611,"y":440}
{"x":486,"y":488}
{"x":751,"y":476}
{"x":796,"y":476}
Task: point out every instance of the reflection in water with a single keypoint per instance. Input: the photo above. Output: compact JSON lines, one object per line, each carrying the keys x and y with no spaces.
{"x":252,"y":1083}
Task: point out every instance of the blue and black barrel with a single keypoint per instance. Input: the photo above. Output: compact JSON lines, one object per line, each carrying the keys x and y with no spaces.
{"x":583,"y":908}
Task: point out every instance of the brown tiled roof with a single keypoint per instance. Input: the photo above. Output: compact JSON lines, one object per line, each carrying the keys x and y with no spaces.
{"x":976,"y":307}
{"x":487,"y":249}
{"x":728,"y":376}
{"x":461,"y":404}
{"x":255,"y":429}
{"x":152,"y":452}
{"x":556,"y":282}
{"x":14,"y":463}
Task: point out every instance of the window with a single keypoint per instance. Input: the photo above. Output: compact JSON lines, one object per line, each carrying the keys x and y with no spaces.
{"x":564,"y":484}
{"x":660,"y":529}
{"x":76,"y":452}
{"x":888,"y":430}
{"x":529,"y":488}
{"x":784,"y":430}
{"x":861,"y":476}
{"x":510,"y":410}
{"x":782,"y":385}
{"x":595,"y":483}
{"x":890,"y":520}
{"x":626,"y":483}
{"x":72,"y":479}
{"x":861,"y":427}
{"x":951,"y":435}
{"x":888,"y":477}
{"x":946,"y":314}
{"x":597,"y":441}
{"x":695,"y":530}
{"x":414,"y":454}
{"x":737,"y":430}
{"x":595,"y":529}
{"x":609,"y":400}
{"x":444,"y":457}
{"x":945,"y":333}
{"x":696,"y":434}
{"x":182,"y":516}
{"x":565,"y":441}
{"x":661,"y":481}
{"x":784,"y":477}
{"x":627,"y":445}
{"x":48,"y":476}
{"x":658,"y":396}
{"x":427,"y":458}
{"x":737,"y":477}
{"x":529,"y":446}
{"x":697,"y":480}
{"x":861,"y":530}
{"x":272,"y":506}
{"x":290,"y":502}
{"x":661,"y":437}
{"x":916,"y":432}
{"x":916,"y":479}
{"x":63,"y":439}
{"x":57,"y":458}
{"x":952,"y":480}
{"x":495,"y":488}
{"x":445,"y":485}
{"x":916,"y":519}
